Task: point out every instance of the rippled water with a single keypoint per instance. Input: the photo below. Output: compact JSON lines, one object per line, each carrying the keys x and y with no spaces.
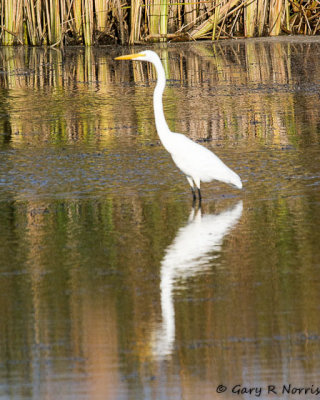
{"x":111,"y":285}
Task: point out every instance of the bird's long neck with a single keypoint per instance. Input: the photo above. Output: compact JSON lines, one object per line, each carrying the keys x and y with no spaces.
{"x":161,"y":123}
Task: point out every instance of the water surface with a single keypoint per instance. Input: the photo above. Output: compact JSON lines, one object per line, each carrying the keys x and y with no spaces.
{"x":111,"y":285}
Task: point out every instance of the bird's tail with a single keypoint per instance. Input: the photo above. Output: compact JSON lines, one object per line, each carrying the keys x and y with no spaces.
{"x":236,"y":180}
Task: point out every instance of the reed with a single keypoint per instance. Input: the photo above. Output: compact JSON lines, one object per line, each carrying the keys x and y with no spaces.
{"x":135,"y":21}
{"x":55,"y":21}
{"x":163,"y":19}
{"x":250,"y":18}
{"x":174,"y":17}
{"x":154,"y":17}
{"x":190,"y":12}
{"x":8,"y":23}
{"x":31,"y":22}
{"x":101,"y":14}
{"x":77,"y":19}
{"x":121,"y":22}
{"x":275,"y":17}
{"x":261,"y":16}
{"x":207,"y":25}
{"x":87,"y":6}
{"x":63,"y":22}
{"x":216,"y":15}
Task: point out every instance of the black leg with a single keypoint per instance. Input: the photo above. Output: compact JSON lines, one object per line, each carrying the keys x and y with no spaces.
{"x":194,"y":197}
{"x":200,"y":197}
{"x":193,"y":194}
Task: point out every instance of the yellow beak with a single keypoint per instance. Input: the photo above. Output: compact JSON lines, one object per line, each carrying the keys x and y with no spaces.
{"x":130,"y":56}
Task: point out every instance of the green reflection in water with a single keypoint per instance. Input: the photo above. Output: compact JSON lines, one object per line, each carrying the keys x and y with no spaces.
{"x":91,"y":207}
{"x":80,"y":284}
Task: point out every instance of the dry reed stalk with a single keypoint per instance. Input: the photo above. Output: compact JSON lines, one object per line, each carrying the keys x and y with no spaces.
{"x":216,"y":15}
{"x":100,"y":14}
{"x":221,"y":27}
{"x":68,"y":23}
{"x":206,"y":26}
{"x":317,"y":26}
{"x":54,"y":22}
{"x":1,"y":20}
{"x":50,"y":21}
{"x":63,"y":17}
{"x":39,"y":13}
{"x":77,"y":18}
{"x":250,"y":18}
{"x":287,"y":15}
{"x":235,"y":20}
{"x":31,"y":21}
{"x":135,"y":18}
{"x":8,"y":37}
{"x":47,"y":21}
{"x":173,"y":17}
{"x":275,"y":17}
{"x":19,"y":20}
{"x":179,"y":16}
{"x":154,"y":16}
{"x":261,"y":16}
{"x":121,"y":22}
{"x":199,"y":18}
{"x":16,"y":29}
{"x":190,"y":12}
{"x":307,"y":25}
{"x":203,"y":7}
{"x":87,"y":6}
{"x":164,"y":19}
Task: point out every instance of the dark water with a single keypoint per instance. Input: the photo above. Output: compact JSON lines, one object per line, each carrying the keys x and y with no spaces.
{"x":111,"y":285}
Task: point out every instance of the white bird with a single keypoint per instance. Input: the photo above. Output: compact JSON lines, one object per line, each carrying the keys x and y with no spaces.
{"x":195,"y":161}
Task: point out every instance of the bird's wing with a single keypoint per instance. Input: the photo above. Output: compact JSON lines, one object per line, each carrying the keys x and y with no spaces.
{"x":196,"y":160}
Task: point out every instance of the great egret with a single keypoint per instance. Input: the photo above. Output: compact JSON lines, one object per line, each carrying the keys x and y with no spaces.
{"x":195,"y":161}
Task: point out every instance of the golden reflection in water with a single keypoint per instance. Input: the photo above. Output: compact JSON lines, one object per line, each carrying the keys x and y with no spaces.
{"x":94,"y":335}
{"x":247,"y":90}
{"x":189,"y":254}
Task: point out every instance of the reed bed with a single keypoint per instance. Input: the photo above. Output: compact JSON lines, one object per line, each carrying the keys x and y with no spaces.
{"x":89,"y":22}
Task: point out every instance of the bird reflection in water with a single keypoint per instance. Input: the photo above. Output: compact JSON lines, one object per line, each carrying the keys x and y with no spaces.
{"x":189,"y":254}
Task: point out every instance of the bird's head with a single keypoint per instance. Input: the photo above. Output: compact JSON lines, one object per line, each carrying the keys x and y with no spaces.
{"x":146,"y":55}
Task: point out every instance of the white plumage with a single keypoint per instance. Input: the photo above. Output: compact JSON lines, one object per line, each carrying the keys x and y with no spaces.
{"x":197,"y":162}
